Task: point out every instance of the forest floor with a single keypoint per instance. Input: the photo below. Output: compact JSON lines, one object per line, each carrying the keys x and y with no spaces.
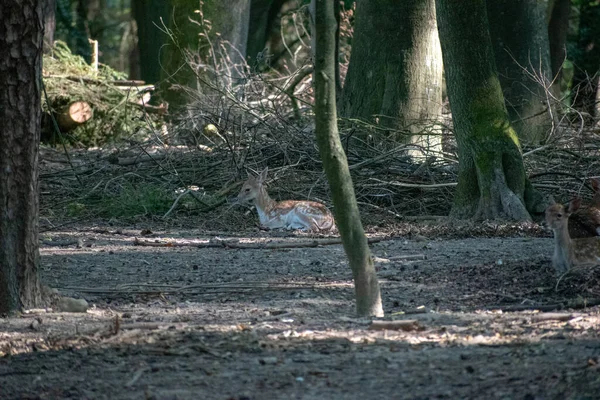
{"x":277,"y":321}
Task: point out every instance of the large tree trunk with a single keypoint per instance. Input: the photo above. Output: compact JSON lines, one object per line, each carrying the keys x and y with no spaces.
{"x":21,"y":36}
{"x":264,"y":18}
{"x":520,"y":40}
{"x":395,"y":70}
{"x":587,"y":59}
{"x":558,"y":28}
{"x":217,"y":40}
{"x":491,"y":180}
{"x":347,"y":217}
{"x":149,"y":17}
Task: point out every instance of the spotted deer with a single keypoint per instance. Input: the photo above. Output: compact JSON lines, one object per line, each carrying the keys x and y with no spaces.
{"x":570,"y":252}
{"x":585,"y":222}
{"x":288,"y":214}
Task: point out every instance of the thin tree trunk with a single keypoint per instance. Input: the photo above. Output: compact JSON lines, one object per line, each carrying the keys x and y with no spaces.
{"x":49,"y":24}
{"x":21,"y":36}
{"x":491,"y":179}
{"x":368,"y":297}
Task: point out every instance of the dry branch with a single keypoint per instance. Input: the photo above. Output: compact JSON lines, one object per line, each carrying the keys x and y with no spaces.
{"x":235,"y":244}
{"x":576,"y":304}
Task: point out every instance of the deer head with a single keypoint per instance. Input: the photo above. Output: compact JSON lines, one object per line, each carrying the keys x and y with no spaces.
{"x":253,"y":187}
{"x":557,"y":215}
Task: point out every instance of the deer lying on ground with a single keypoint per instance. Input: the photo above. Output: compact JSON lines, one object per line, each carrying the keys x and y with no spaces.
{"x":585,"y":222}
{"x":570,"y":252}
{"x":288,"y":214}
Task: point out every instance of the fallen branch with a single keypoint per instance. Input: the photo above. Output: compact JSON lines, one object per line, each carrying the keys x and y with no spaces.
{"x":544,"y":317}
{"x":191,"y":289}
{"x":575,"y":304}
{"x":235,"y":244}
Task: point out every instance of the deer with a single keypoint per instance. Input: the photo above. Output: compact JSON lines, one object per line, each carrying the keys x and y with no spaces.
{"x":288,"y":214}
{"x":585,"y":222}
{"x":569,"y":252}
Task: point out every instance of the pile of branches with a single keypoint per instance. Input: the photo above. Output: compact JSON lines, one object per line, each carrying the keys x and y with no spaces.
{"x":255,"y":121}
{"x":117,"y":106}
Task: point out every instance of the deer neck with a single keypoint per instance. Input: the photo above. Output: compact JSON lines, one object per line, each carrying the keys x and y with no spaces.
{"x":263,"y":202}
{"x":563,"y":246}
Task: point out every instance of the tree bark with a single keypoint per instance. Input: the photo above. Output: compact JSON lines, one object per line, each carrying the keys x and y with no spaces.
{"x":347,"y":217}
{"x":395,"y":70}
{"x":217,"y":38}
{"x":558,"y":28}
{"x":21,"y":36}
{"x":586,"y":58}
{"x":522,"y":52}
{"x":149,"y":19}
{"x":264,"y":18}
{"x":491,"y":179}
{"x":49,"y":24}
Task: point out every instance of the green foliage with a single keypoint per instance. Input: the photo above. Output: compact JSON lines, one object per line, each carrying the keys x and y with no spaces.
{"x":128,"y":200}
{"x":68,"y":78}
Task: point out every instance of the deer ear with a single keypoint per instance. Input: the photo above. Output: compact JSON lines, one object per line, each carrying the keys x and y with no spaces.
{"x":574,"y":204}
{"x":551,"y":200}
{"x":263,"y":175}
{"x":595,"y":184}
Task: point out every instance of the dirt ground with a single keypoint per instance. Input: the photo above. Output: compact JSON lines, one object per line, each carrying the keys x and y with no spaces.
{"x":189,"y":322}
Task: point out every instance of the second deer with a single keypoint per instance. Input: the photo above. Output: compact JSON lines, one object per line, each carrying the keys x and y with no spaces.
{"x":570,"y":252}
{"x":288,"y":214}
{"x":585,"y":222}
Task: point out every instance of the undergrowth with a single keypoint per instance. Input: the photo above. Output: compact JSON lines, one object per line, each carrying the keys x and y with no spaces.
{"x":130,"y":200}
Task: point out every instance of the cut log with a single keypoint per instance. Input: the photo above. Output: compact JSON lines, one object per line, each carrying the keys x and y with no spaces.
{"x":74,"y":115}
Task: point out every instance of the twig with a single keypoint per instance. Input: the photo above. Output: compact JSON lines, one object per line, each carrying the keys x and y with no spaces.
{"x":187,"y":191}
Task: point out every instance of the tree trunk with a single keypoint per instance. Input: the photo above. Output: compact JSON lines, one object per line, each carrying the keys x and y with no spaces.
{"x":347,"y":217}
{"x":587,"y":58}
{"x":149,"y":19}
{"x":21,"y":36}
{"x":264,"y":17}
{"x":395,"y":70}
{"x":49,"y":24}
{"x":217,"y":40}
{"x":491,"y":179}
{"x":80,"y":33}
{"x":558,"y":28}
{"x":520,"y":41}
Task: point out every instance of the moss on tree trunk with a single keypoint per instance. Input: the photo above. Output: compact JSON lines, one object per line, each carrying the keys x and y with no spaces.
{"x":491,"y":181}
{"x":522,"y":53}
{"x":347,"y":217}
